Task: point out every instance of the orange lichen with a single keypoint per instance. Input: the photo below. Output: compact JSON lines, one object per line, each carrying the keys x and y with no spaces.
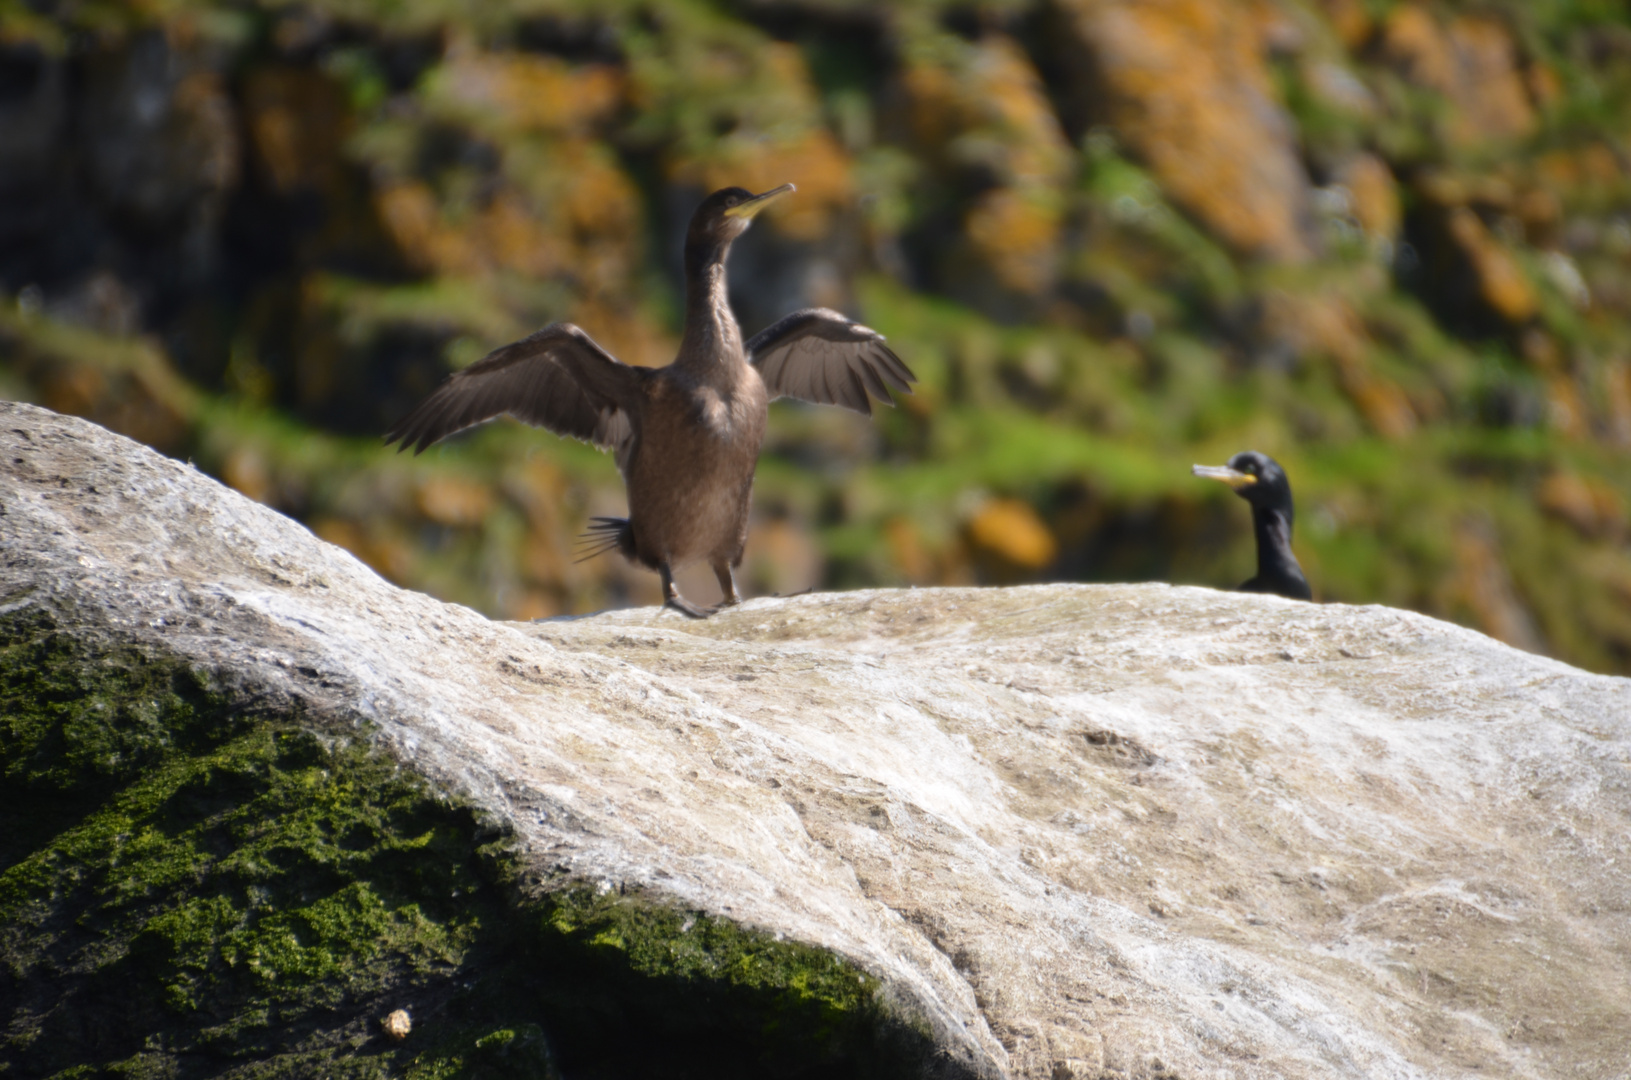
{"x":934,"y":108}
{"x":520,"y":92}
{"x":542,"y":559}
{"x":298,"y":122}
{"x":1565,"y":410}
{"x":1588,"y":174}
{"x":1592,"y":507}
{"x":1600,"y":165}
{"x":1617,"y":401}
{"x":590,"y":211}
{"x":1326,"y":325}
{"x":1385,"y":407}
{"x":907,"y":551}
{"x":560,"y":204}
{"x":512,"y":238}
{"x":1016,"y":232}
{"x":1544,"y":85}
{"x":131,"y":402}
{"x":202,"y":132}
{"x":989,"y":104}
{"x":787,"y":145}
{"x":1540,"y":350}
{"x":1322,"y":325}
{"x":629,"y":335}
{"x":1004,"y":92}
{"x":451,"y":500}
{"x":409,"y":212}
{"x":1540,"y":210}
{"x":1013,"y":532}
{"x":1350,"y":20}
{"x":1415,"y":45}
{"x":1184,"y":84}
{"x":601,"y":200}
{"x":1501,"y":283}
{"x":1472,"y":62}
{"x":585,"y":221}
{"x":390,"y":557}
{"x":986,"y":106}
{"x":1490,"y":94}
{"x":1374,"y":193}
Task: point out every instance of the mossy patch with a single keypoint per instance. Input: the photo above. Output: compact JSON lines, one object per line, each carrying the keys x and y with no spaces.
{"x":196,"y":882}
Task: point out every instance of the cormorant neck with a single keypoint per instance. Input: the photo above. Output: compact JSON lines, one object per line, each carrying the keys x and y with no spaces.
{"x":711,"y":333}
{"x":1277,"y":567}
{"x":1273,"y":529}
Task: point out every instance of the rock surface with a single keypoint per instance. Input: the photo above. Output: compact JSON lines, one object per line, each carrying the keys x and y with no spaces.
{"x":1131,"y":830}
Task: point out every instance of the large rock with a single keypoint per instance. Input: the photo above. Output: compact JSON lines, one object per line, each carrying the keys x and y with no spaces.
{"x":1077,"y":831}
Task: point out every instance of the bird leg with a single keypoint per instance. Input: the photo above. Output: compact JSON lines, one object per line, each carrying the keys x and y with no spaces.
{"x":727,"y":585}
{"x":672,"y":597}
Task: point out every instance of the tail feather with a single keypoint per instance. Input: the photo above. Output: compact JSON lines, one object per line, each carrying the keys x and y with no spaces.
{"x":606,"y":534}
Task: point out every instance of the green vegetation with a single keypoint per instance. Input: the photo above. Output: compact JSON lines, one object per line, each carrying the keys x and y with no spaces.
{"x":1420,"y":303}
{"x":196,"y":882}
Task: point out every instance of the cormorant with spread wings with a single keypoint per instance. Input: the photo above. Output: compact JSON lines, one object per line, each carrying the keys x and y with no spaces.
{"x":686,"y":436}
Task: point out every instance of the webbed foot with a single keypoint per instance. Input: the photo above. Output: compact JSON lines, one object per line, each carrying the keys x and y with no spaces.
{"x":685,"y":607}
{"x":673,"y":599}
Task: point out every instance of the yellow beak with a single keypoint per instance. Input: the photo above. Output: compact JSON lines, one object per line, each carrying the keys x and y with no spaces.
{"x":1233,"y":477}
{"x":759,"y":202}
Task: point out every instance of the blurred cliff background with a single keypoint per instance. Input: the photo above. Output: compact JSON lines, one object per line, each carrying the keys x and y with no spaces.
{"x":1387,"y":243}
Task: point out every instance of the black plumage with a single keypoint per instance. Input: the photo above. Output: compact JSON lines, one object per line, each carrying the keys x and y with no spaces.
{"x":1259,"y":480}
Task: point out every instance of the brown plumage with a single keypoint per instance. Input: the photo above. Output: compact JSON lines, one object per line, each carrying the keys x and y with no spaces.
{"x":686,"y":436}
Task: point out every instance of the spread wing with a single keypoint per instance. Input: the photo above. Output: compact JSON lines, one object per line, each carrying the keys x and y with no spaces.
{"x":818,"y":355}
{"x":557,"y":378}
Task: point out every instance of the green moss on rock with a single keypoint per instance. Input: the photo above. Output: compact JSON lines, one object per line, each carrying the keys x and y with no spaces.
{"x":196,"y":882}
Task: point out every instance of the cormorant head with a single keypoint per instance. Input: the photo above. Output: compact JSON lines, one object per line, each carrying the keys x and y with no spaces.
{"x":1257,"y":478}
{"x":726,"y":214}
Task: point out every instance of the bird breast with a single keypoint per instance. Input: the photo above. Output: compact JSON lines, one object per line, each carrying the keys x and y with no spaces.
{"x":729,"y":417}
{"x":717,"y":417}
{"x":688,"y":485}
{"x":697,"y":428}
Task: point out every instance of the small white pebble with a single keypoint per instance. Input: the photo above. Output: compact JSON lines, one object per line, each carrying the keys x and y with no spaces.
{"x":397,"y":1025}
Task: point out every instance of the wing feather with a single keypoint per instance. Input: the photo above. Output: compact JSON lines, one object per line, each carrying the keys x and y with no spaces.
{"x":869,"y":379}
{"x":557,"y":378}
{"x":818,"y":355}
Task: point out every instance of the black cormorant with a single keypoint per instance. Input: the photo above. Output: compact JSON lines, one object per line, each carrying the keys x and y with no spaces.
{"x":686,"y":436}
{"x":1259,"y":480}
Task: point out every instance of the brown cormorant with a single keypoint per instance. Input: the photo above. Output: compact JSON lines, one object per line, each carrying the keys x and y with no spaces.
{"x":686,"y":436}
{"x":1259,"y":480}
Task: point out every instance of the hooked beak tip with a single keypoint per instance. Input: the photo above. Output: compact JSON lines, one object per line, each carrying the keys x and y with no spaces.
{"x":752,"y":207}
